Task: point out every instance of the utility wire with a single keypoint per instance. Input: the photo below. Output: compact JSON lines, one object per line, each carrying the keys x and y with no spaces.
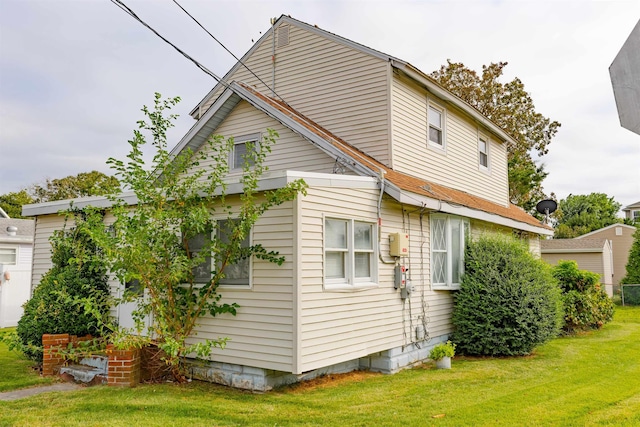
{"x":225,"y":48}
{"x":131,"y":13}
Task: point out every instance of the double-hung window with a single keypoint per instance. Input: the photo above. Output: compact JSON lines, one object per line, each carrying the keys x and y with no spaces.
{"x":236,"y":271}
{"x":349,"y":253}
{"x":448,"y":237}
{"x":483,"y":152}
{"x":243,"y":151}
{"x":435,"y":120}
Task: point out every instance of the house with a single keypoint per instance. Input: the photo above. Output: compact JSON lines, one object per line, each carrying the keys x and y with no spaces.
{"x":16,"y":249}
{"x":632,"y":212}
{"x":621,"y":238}
{"x":400,"y":173}
{"x":592,"y":254}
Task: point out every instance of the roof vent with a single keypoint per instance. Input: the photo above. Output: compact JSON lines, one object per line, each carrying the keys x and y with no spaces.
{"x":12,"y":230}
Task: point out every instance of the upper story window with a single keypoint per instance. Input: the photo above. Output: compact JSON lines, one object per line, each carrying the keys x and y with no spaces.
{"x":436,"y":131}
{"x":244,"y":149}
{"x":236,"y":271}
{"x":448,"y":238}
{"x":8,"y":256}
{"x":483,"y":152}
{"x":349,"y":253}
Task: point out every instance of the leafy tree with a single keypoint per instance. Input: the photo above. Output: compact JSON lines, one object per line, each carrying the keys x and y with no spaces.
{"x":12,"y":203}
{"x":508,"y":301}
{"x":509,"y":106}
{"x":154,"y":242}
{"x":78,"y":271}
{"x":84,"y":184}
{"x":633,"y":264}
{"x":581,"y":214}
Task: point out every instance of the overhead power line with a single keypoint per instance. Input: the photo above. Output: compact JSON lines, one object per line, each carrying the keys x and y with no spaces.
{"x":131,"y":13}
{"x":225,"y":48}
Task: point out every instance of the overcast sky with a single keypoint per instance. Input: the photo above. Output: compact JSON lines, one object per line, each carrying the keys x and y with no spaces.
{"x":74,"y":74}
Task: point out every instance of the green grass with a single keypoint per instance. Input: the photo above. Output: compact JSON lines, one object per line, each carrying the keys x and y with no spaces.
{"x":588,"y":380}
{"x":16,"y":372}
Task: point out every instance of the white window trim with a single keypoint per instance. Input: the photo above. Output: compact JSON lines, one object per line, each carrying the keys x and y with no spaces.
{"x":350,"y":282}
{"x":483,"y":137}
{"x":16,"y":255}
{"x":443,"y":127}
{"x":254,"y":137}
{"x":466,"y":229}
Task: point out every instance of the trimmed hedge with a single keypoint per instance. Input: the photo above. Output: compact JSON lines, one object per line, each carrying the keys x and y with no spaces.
{"x":508,"y":301}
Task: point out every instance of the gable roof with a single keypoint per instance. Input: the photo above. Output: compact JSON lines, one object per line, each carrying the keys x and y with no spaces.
{"x":633,"y":206}
{"x":600,"y":230}
{"x":404,"y":67}
{"x":573,"y":245}
{"x":402,"y":187}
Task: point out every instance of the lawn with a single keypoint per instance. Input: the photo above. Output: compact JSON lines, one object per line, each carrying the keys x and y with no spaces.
{"x":593,"y":379}
{"x":16,"y":372}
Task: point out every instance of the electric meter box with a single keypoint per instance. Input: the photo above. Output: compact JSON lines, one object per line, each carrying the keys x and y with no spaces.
{"x":398,"y":244}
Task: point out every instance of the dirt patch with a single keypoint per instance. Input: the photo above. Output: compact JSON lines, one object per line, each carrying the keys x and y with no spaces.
{"x":330,"y":380}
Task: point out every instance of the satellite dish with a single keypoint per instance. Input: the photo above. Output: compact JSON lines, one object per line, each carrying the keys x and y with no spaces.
{"x":546,"y":207}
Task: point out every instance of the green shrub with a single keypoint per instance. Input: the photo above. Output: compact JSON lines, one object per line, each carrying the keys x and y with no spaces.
{"x":78,"y":272}
{"x":508,"y":301}
{"x":586,"y":304}
{"x":633,"y":263}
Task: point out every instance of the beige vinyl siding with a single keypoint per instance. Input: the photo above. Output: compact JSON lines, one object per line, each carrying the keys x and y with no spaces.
{"x":45,"y":226}
{"x":342,"y":325}
{"x":591,"y":261}
{"x":457,"y":165}
{"x":620,"y":246}
{"x":290,"y":152}
{"x":261,"y":334}
{"x":338,"y":87}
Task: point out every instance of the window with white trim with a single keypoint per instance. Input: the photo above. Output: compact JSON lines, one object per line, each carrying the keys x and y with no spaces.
{"x":483,"y":152}
{"x":236,"y":272}
{"x":435,"y":121}
{"x":244,"y":149}
{"x":349,"y":255}
{"x":448,"y":238}
{"x":8,"y":256}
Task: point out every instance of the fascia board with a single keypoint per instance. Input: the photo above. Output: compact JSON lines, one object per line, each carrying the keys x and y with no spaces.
{"x":312,"y":137}
{"x":453,"y":209}
{"x":565,"y":251}
{"x":16,"y":239}
{"x":444,"y":94}
{"x":62,"y":205}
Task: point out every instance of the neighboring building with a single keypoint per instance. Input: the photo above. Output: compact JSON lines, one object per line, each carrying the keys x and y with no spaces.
{"x":387,"y":153}
{"x":621,"y":238}
{"x":592,"y":254}
{"x":16,"y":250}
{"x":632,"y":212}
{"x":625,"y":78}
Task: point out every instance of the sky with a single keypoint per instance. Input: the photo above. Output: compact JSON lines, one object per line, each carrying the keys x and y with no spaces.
{"x":74,"y":74}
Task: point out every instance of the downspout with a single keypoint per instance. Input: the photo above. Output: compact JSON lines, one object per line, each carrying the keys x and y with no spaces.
{"x":382,"y":181}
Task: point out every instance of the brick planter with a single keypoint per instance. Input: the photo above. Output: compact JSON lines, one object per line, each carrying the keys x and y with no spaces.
{"x":52,"y":360}
{"x":124,"y":367}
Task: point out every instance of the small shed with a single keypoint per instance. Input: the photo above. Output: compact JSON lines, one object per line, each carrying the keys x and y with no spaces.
{"x":16,"y":254}
{"x":594,"y":255}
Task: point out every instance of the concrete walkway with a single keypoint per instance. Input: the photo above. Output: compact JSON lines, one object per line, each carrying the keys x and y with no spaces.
{"x":26,"y":392}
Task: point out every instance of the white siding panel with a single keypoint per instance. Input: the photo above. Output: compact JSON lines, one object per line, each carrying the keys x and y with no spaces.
{"x":457,"y":165}
{"x":315,"y":74}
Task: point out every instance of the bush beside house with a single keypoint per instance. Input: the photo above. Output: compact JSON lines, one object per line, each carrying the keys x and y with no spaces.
{"x":78,"y":272}
{"x":508,"y":301}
